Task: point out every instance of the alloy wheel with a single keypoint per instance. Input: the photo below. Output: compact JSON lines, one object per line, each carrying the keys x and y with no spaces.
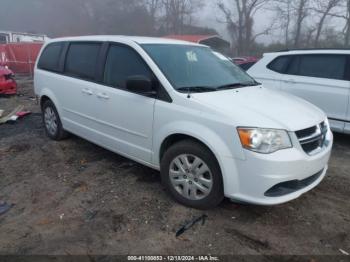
{"x":50,"y":121}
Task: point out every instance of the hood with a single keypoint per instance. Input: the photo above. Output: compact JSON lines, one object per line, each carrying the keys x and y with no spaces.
{"x":260,"y":107}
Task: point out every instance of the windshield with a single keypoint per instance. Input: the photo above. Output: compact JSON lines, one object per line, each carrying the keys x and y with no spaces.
{"x":197,"y":68}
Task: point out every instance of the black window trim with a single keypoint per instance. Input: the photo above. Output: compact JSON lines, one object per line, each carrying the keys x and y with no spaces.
{"x":162,"y":93}
{"x":298,"y":56}
{"x":63,"y":56}
{"x":347,"y":68}
{"x":269,"y":65}
{"x":65,"y":73}
{"x":59,"y":69}
{"x":292,"y":57}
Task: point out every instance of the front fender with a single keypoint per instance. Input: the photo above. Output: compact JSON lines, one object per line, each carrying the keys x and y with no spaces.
{"x":197,"y":131}
{"x":225,"y":156}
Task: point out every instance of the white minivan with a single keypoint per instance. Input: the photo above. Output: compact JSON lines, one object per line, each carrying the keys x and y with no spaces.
{"x":177,"y":107}
{"x":320,"y":76}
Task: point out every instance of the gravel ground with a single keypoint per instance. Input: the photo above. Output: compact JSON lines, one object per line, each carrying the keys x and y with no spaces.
{"x":74,"y":197}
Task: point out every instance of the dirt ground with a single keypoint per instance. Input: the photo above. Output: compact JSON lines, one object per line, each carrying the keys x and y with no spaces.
{"x":74,"y":197}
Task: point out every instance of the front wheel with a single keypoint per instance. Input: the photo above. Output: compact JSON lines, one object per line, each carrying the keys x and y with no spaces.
{"x":192,"y":175}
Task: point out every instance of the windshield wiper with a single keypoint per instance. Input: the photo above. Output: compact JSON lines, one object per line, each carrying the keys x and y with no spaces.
{"x":203,"y":89}
{"x":197,"y":89}
{"x":236,"y":85}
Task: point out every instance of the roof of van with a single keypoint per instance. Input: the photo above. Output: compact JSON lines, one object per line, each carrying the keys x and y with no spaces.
{"x":311,"y":51}
{"x":117,"y":38}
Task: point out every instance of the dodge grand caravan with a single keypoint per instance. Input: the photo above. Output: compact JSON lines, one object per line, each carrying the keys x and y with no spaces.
{"x":174,"y":106}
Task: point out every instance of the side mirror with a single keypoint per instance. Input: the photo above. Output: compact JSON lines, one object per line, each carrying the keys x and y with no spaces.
{"x":141,"y":85}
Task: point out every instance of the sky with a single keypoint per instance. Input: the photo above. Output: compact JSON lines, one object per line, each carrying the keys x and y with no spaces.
{"x":210,"y":16}
{"x":18,"y":19}
{"x":263,"y":19}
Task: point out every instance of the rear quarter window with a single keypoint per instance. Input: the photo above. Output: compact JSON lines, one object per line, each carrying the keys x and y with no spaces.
{"x":279,"y":64}
{"x":50,"y":57}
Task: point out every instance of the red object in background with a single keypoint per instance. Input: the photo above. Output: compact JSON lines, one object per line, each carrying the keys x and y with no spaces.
{"x":245,"y":59}
{"x":20,"y":57}
{"x":245,"y":62}
{"x":8,"y":85}
{"x":23,"y":114}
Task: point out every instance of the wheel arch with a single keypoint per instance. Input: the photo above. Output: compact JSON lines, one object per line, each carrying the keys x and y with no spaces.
{"x":179,"y":130}
{"x":170,"y":134}
{"x":176,"y":138}
{"x":47,"y":94}
{"x":43,"y":99}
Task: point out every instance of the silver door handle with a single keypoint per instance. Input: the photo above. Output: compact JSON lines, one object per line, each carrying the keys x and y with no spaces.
{"x":103,"y":96}
{"x":87,"y":91}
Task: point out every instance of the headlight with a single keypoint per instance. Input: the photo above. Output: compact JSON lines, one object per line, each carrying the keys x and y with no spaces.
{"x":264,"y":141}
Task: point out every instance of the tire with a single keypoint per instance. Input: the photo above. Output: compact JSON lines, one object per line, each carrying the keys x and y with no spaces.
{"x":200,"y":193}
{"x":54,"y":130}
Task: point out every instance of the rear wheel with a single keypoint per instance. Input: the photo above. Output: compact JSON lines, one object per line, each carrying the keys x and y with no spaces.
{"x":52,"y":122}
{"x":192,"y":175}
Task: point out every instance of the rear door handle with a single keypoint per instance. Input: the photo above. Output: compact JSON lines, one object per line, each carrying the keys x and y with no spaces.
{"x":103,"y":96}
{"x":87,"y":91}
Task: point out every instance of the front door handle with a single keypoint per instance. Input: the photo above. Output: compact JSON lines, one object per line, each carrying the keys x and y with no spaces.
{"x":87,"y":91}
{"x":103,"y":96}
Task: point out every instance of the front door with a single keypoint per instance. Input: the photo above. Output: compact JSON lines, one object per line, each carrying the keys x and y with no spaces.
{"x":125,"y":118}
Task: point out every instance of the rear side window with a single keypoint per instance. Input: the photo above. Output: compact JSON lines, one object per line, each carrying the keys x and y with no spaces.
{"x":294,"y":66}
{"x":322,"y":66}
{"x":280,"y":64}
{"x":50,"y":57}
{"x":122,"y":63}
{"x":82,"y":59}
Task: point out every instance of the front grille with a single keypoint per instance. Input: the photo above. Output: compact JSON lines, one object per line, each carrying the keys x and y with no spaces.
{"x":312,"y":139}
{"x":306,"y":132}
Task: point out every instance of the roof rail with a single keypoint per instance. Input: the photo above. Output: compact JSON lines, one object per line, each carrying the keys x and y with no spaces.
{"x":313,"y":49}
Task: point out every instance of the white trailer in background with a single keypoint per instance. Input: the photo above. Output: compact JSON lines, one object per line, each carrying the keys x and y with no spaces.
{"x":16,"y":37}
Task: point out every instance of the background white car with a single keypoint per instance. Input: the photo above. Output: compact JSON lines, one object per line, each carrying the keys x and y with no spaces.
{"x":321,"y":77}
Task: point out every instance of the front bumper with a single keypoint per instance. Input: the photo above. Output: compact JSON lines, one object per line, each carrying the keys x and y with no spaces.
{"x":287,"y":174}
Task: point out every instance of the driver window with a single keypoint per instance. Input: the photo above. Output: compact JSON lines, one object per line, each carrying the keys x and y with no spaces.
{"x":122,"y":63}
